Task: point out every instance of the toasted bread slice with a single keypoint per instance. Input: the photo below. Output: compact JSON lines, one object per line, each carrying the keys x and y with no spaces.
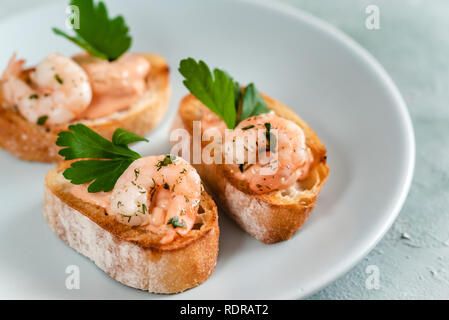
{"x":29,"y":141}
{"x":270,"y":217}
{"x":128,"y":254}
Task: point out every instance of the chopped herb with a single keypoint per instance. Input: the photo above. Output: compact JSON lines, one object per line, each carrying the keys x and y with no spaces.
{"x":187,"y":199}
{"x":119,"y":204}
{"x":41,"y":120}
{"x":175,"y":222}
{"x":271,"y":138}
{"x":136,"y":173}
{"x":144,"y":208}
{"x":248,"y":127}
{"x":184,"y":170}
{"x":267,"y":126}
{"x":34,"y":96}
{"x":244,"y":166}
{"x":58,"y":78}
{"x":166,"y":186}
{"x":167,"y":160}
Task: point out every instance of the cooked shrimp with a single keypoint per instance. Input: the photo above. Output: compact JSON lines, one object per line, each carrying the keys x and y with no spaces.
{"x":115,"y":85}
{"x":160,"y":192}
{"x":286,"y":160}
{"x":57,"y":89}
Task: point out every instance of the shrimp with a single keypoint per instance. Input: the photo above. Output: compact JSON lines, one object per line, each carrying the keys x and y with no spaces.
{"x":115,"y":85}
{"x":160,"y":192}
{"x":286,"y":161}
{"x":57,"y":89}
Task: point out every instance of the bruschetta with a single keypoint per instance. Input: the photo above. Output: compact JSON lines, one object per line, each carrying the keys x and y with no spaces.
{"x":146,"y":221}
{"x":270,"y":206}
{"x":103,"y":87}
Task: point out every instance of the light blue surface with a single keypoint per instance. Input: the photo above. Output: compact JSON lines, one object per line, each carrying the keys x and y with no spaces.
{"x":413,"y":46}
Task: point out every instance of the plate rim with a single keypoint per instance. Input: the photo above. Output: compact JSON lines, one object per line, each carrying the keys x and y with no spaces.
{"x":410,"y":144}
{"x":328,"y":28}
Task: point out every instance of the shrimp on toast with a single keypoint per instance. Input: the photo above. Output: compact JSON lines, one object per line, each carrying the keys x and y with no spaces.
{"x":271,"y":187}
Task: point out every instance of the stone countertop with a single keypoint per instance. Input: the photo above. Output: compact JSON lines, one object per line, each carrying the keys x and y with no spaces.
{"x":413,"y":46}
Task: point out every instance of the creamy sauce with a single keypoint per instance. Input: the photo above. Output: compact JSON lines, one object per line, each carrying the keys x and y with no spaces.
{"x":101,"y":199}
{"x":115,"y":85}
{"x":164,"y":199}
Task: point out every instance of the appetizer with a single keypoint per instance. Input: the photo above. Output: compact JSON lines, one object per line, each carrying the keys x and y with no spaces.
{"x":145,"y":221}
{"x":103,"y":87}
{"x":272,"y":196}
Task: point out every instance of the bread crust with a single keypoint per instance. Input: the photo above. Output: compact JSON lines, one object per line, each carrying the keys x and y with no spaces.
{"x":131,"y":255}
{"x":271,"y":217}
{"x":31,"y":142}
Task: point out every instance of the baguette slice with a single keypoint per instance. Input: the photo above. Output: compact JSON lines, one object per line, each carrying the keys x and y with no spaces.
{"x":130,"y":255}
{"x":270,"y":217}
{"x":29,"y":141}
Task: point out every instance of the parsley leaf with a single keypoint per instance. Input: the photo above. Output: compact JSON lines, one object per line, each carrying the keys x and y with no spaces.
{"x":253,"y":103}
{"x":123,"y":137}
{"x":221,"y":95}
{"x":99,"y":35}
{"x":237,"y":95}
{"x":216,"y":92}
{"x":107,"y":159}
{"x":103,"y":173}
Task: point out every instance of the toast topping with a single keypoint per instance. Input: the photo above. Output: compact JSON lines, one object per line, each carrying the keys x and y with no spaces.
{"x":268,"y":161}
{"x":159,"y":195}
{"x":273,"y":160}
{"x":57,"y":90}
{"x":162,"y":192}
{"x":115,"y":85}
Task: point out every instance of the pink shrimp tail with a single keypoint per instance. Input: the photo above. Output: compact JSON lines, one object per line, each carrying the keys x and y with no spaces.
{"x":14,"y":67}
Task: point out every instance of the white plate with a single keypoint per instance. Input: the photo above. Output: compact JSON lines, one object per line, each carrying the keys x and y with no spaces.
{"x":336,"y":86}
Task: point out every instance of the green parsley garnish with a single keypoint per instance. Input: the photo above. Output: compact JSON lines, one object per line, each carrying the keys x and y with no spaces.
{"x":58,"y":78}
{"x":41,"y":120}
{"x":167,"y":160}
{"x":248,"y":127}
{"x":271,"y":138}
{"x":107,"y":159}
{"x":174,"y":221}
{"x":99,"y":35}
{"x":220,"y":93}
{"x":34,"y":96}
{"x":253,"y":103}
